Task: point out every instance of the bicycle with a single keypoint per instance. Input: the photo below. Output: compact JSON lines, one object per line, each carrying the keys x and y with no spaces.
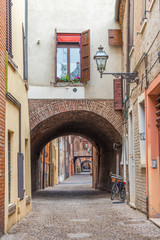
{"x":118,"y":188}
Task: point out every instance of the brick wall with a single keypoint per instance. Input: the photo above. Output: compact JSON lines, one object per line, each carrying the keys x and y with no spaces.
{"x":95,"y":120}
{"x":2,"y":108}
{"x":42,"y":109}
{"x":146,"y":41}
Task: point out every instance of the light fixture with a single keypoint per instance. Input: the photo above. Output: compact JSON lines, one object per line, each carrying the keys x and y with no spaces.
{"x":101,"y":60}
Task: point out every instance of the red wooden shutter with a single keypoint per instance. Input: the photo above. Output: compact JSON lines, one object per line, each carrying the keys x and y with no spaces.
{"x":85,"y":56}
{"x":115,"y":37}
{"x":9,"y":27}
{"x":55,"y":55}
{"x":20,"y":176}
{"x":118,"y":94}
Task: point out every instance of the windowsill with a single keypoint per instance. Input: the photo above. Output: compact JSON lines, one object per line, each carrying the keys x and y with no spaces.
{"x":144,"y":23}
{"x":68,"y":84}
{"x":151,"y":5}
{"x":28,"y":199}
{"x":12,"y":63}
{"x":131,"y":51}
{"x":11,"y":209}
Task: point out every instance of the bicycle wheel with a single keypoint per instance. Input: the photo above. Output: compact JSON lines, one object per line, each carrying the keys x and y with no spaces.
{"x":113,"y":192}
{"x":122,"y":195}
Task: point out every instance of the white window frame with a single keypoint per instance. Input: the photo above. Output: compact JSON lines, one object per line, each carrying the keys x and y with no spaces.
{"x":141,"y":115}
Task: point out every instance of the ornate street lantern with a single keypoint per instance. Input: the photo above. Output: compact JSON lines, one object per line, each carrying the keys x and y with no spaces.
{"x":101,"y":60}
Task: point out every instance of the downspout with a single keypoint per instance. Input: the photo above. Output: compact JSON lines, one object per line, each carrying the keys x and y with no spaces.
{"x":26,"y":41}
{"x":127,"y":50}
{"x":16,"y":103}
{"x":147,"y":176}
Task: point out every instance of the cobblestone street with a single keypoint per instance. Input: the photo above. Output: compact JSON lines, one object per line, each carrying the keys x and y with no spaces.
{"x":73,"y":210}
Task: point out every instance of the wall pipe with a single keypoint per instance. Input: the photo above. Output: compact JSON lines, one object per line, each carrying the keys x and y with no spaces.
{"x":26,"y":41}
{"x":147,"y":176}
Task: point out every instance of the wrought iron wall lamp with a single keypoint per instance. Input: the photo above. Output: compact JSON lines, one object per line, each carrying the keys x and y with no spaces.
{"x":101,"y":59}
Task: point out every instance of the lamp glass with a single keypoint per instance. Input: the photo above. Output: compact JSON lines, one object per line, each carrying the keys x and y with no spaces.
{"x":101,"y":63}
{"x":101,"y":59}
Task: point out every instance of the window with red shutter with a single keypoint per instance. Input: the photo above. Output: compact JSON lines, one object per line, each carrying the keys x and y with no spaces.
{"x":72,"y":57}
{"x":9,"y":27}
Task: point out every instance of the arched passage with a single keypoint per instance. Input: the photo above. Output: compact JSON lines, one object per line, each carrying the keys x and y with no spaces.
{"x":95,"y":120}
{"x":86,"y":161}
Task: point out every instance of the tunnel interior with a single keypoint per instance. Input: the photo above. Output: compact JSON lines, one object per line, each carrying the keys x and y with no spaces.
{"x":89,"y":125}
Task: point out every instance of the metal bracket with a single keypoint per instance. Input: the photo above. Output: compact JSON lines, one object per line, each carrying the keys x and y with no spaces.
{"x":129,"y":77}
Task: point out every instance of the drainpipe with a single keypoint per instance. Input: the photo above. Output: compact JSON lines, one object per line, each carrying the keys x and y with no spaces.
{"x":128,"y":26}
{"x":124,"y":153}
{"x":26,"y":40}
{"x":117,"y":163}
{"x":147,"y":176}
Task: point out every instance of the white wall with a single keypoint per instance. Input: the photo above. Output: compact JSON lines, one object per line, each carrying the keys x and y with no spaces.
{"x":70,"y":16}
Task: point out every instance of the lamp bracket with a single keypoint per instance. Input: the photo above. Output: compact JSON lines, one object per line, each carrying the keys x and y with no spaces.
{"x":129,"y":77}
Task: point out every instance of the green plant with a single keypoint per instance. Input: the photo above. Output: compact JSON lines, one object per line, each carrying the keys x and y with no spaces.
{"x":78,"y":169}
{"x":67,"y":78}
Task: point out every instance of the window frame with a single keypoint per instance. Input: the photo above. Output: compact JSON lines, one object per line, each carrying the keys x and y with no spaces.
{"x":84,"y":42}
{"x":68,"y":46}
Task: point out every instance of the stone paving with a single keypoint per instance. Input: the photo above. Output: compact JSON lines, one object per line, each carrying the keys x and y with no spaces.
{"x":73,"y":210}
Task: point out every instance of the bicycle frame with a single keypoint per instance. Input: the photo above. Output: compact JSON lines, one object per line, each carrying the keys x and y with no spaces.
{"x":116,"y":190}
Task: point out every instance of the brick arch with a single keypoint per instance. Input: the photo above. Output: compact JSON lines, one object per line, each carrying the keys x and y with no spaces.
{"x":94,"y":120}
{"x":40,"y":110}
{"x":84,"y":161}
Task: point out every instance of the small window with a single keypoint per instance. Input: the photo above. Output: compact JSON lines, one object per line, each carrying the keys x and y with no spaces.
{"x":72,"y":57}
{"x":68,"y":62}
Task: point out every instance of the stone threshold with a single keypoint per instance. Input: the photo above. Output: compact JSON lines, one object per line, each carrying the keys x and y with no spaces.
{"x":156,"y":221}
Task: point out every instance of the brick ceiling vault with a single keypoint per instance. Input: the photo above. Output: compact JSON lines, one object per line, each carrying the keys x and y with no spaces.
{"x":95,"y":120}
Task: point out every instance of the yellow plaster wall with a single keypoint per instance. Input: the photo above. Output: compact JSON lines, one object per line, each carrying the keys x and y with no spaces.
{"x":55,"y":159}
{"x":16,"y":87}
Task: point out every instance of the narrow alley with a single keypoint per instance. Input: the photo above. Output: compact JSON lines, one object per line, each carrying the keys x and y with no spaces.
{"x":74,"y":210}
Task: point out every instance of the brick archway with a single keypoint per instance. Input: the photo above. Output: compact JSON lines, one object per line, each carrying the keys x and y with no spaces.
{"x":95,"y":120}
{"x":43,"y":109}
